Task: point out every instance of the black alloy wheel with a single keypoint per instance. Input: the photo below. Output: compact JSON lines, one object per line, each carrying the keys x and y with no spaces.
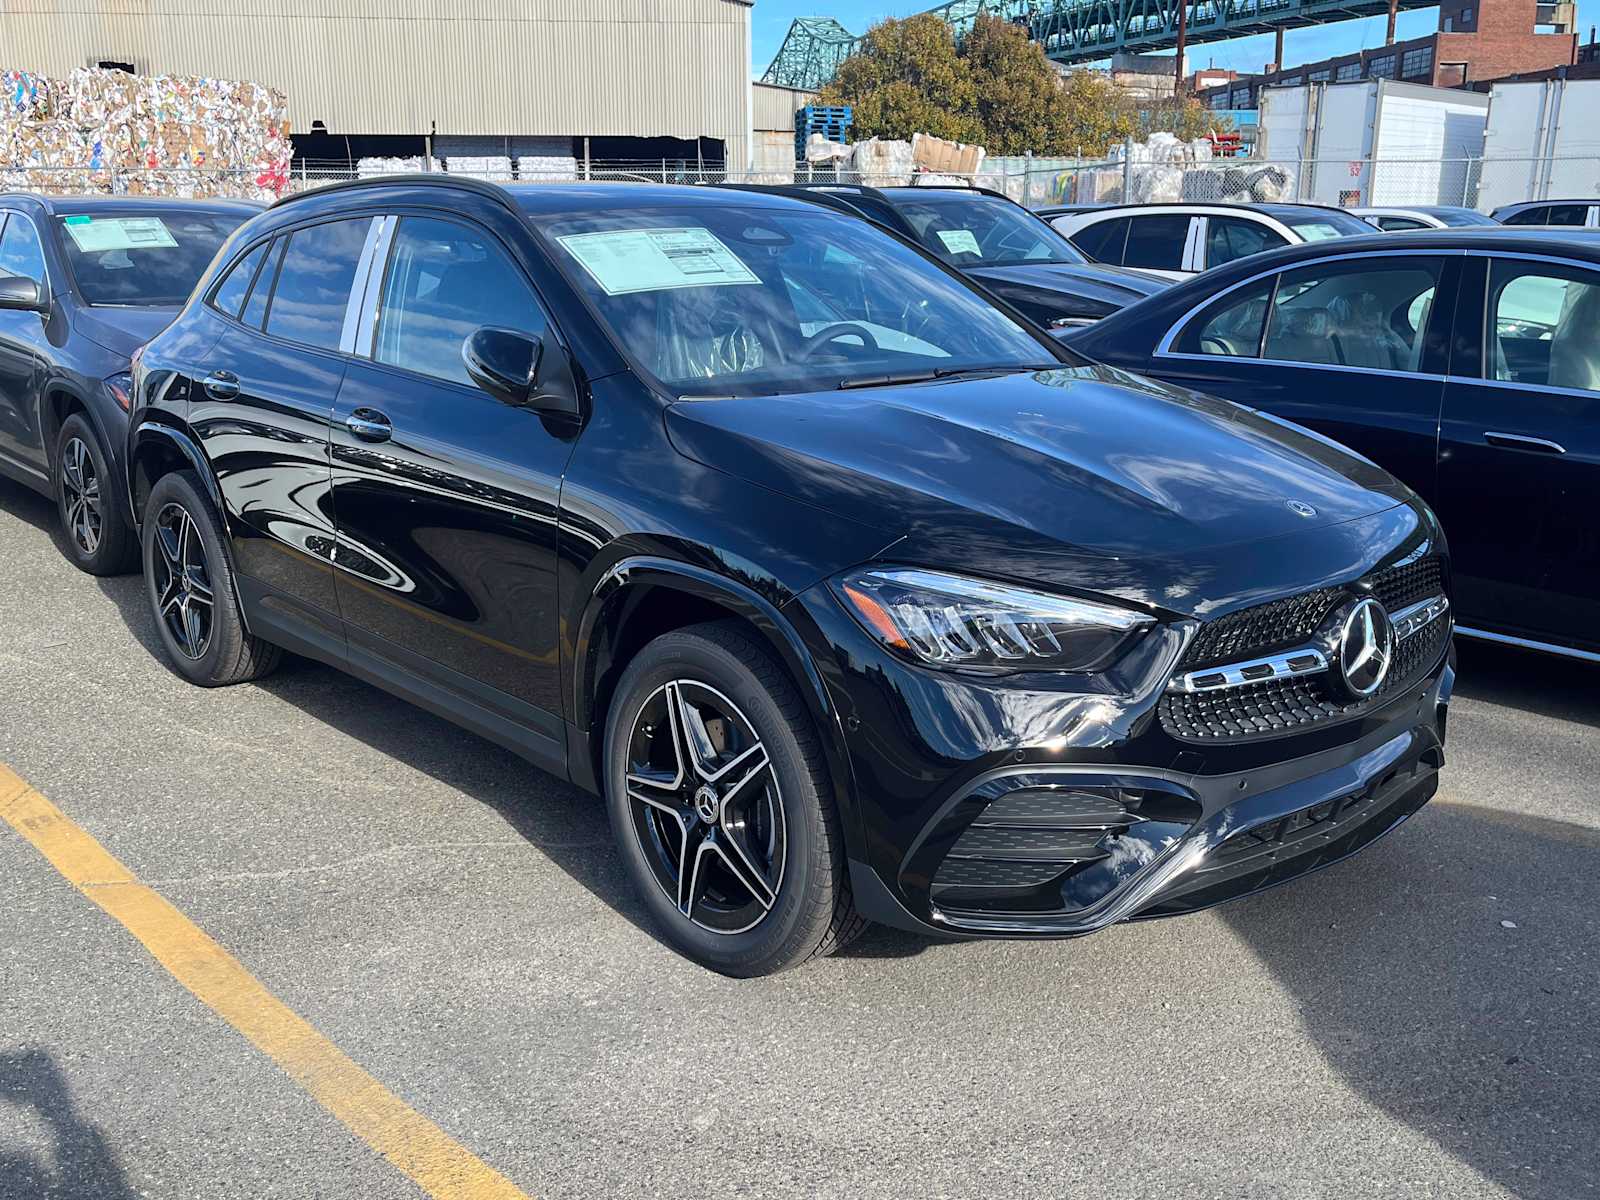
{"x":722,"y":806}
{"x":706,"y":807}
{"x":99,"y":537}
{"x":189,"y":583}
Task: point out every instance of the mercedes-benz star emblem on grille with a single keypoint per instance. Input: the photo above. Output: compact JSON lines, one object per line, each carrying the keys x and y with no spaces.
{"x":1366,"y":648}
{"x":1300,"y":508}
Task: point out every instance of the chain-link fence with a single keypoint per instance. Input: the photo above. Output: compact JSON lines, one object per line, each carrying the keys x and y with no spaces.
{"x":1478,"y":183}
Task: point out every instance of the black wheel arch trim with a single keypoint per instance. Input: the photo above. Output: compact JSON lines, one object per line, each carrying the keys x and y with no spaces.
{"x":775,"y":626}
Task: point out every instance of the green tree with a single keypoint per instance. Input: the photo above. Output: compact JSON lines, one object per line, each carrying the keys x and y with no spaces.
{"x":907,"y":78}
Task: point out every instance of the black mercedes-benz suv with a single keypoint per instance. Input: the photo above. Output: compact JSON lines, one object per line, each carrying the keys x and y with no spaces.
{"x":84,"y":282}
{"x":939,"y":625}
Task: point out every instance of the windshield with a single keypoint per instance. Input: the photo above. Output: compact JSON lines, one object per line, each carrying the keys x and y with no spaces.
{"x":1462,"y":217}
{"x":728,"y":301}
{"x":140,"y":257}
{"x":969,"y":229}
{"x":1320,"y":226}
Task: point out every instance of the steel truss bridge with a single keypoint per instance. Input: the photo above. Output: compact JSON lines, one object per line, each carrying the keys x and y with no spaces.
{"x":1075,"y":31}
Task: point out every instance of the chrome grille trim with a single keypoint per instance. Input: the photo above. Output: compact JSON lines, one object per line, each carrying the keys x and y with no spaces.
{"x":1414,"y":618}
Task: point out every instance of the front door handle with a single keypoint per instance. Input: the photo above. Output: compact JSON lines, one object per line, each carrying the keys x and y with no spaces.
{"x":1516,"y":441}
{"x":221,"y":385}
{"x":369,"y":425}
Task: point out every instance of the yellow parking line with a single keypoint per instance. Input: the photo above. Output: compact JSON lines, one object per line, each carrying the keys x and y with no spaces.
{"x":438,"y":1164}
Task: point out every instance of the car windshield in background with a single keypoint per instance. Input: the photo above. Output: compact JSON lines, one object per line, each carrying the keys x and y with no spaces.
{"x":729,"y":301}
{"x":1321,"y":226}
{"x":142,"y":257}
{"x":969,"y":229}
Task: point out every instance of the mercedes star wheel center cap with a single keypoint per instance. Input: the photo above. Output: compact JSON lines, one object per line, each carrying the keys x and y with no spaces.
{"x":706,"y":805}
{"x":1366,"y":648}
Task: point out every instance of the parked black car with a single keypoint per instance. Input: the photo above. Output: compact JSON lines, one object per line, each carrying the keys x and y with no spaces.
{"x":1550,"y":212}
{"x":83,"y":283}
{"x":1465,"y":361}
{"x":994,"y":241}
{"x":927,"y":622}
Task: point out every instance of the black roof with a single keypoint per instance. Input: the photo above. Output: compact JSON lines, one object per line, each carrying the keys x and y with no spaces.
{"x":69,"y":205}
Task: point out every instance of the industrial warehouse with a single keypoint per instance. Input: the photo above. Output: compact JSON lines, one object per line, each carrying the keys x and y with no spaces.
{"x":791,"y":598}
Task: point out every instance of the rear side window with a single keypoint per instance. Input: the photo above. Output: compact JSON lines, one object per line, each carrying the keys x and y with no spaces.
{"x":1103,"y":241}
{"x":1545,"y":316}
{"x":1157,"y":243}
{"x":1228,"y":238}
{"x":1568,"y":214}
{"x":1531,"y":216}
{"x":308,"y":305}
{"x":444,"y":282}
{"x":230,"y":294}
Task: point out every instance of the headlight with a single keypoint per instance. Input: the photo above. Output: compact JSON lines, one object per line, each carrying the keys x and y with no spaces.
{"x":121,"y":388}
{"x":953,"y":621}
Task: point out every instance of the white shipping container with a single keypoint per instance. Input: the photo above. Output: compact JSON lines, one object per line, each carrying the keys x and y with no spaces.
{"x":1374,"y":142}
{"x":1542,"y":142}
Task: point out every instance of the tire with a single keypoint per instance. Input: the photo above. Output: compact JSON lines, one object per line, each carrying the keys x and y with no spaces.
{"x":205,"y":639}
{"x":97,"y":534}
{"x":781,"y":822}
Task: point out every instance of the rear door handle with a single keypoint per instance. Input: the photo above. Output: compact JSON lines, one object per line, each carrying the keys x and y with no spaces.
{"x":369,"y":425}
{"x":1516,"y":441}
{"x":221,"y":385}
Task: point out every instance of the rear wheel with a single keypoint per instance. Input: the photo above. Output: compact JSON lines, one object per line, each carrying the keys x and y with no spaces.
{"x":99,"y":537}
{"x":720,"y":801}
{"x":191,"y":589}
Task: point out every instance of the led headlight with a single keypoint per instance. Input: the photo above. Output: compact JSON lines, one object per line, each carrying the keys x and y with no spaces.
{"x":954,"y":621}
{"x":121,"y":388}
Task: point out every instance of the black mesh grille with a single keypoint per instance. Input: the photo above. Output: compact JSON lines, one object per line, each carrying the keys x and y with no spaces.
{"x":1284,"y":706}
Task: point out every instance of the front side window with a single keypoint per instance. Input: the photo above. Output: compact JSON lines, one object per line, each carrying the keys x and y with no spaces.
{"x":20,"y":252}
{"x":1544,"y":322}
{"x":139,"y":257}
{"x":1229,"y":238}
{"x":1104,"y":240}
{"x":444,"y":282}
{"x":973,"y":230}
{"x":1353,"y":314}
{"x":723,"y":300}
{"x":314,"y":281}
{"x":1157,"y":242}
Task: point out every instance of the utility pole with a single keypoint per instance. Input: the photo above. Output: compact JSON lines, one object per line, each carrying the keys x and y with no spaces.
{"x":1277,"y":51}
{"x":1394,"y":5}
{"x":1183,"y":37}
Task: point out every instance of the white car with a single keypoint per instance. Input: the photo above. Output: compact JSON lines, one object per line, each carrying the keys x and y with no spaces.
{"x":1429,"y":216}
{"x":1180,"y":240}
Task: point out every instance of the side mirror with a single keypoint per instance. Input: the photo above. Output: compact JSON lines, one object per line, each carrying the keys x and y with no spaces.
{"x":18,"y":291}
{"x":516,"y":369}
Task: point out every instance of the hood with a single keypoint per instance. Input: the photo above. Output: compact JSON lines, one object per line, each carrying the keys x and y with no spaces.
{"x":1083,"y":473}
{"x":1086,"y":289}
{"x":123,"y":330}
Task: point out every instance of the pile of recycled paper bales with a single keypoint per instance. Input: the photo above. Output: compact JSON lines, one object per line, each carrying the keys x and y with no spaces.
{"x":881,"y":162}
{"x":1163,"y":169}
{"x":172,"y":135}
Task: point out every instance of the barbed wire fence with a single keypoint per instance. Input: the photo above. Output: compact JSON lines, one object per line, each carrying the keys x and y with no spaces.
{"x":1477,"y":183}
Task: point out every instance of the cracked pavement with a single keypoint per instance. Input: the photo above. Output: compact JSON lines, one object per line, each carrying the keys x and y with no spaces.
{"x":456,"y":923}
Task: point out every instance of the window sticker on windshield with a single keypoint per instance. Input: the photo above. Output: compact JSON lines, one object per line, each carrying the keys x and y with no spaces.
{"x":959,"y":241}
{"x":652,"y":260}
{"x":93,"y":234}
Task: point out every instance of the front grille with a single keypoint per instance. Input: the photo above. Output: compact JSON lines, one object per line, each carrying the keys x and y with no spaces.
{"x":1287,"y":705}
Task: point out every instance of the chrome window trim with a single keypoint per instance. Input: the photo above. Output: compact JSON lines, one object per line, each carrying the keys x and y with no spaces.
{"x":1506,"y":639}
{"x":1513,"y":385}
{"x":1183,"y":355}
{"x":1164,"y":347}
{"x":359,"y":285}
{"x":372,"y":292}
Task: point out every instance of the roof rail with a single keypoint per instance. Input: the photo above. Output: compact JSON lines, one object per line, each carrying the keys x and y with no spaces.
{"x":433,"y":179}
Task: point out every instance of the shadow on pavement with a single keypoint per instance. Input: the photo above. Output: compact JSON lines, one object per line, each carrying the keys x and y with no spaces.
{"x":79,"y":1163}
{"x":1484,"y":1038}
{"x":1543,"y":684}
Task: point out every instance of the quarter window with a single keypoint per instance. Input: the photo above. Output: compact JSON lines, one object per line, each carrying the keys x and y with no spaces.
{"x":444,"y":282}
{"x":230,"y":294}
{"x":20,"y":252}
{"x":1353,"y":314}
{"x":1157,"y":243}
{"x":313,"y":289}
{"x":255,"y":308}
{"x":1544,"y":323}
{"x":1233,"y":331}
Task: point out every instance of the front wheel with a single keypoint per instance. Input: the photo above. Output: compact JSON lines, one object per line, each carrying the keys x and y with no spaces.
{"x":99,"y":537}
{"x":191,"y":589}
{"x":719,"y":798}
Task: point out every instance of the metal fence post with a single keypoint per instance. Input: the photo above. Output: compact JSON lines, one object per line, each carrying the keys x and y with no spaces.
{"x":1127,"y":171}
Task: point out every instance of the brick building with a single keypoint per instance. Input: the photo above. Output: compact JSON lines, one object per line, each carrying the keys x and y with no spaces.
{"x":1477,"y":40}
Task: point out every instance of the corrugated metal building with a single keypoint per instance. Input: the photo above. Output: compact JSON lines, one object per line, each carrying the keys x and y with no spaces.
{"x":773,"y":122}
{"x":539,"y":69}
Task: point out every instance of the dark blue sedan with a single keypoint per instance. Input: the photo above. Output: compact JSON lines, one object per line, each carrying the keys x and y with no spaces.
{"x":1465,"y":361}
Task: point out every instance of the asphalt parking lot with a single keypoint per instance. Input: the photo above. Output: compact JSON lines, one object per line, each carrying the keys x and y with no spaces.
{"x":1423,"y":1020}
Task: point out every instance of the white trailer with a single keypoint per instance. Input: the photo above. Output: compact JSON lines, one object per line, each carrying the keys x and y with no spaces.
{"x":1542,"y":143}
{"x":1374,"y":142}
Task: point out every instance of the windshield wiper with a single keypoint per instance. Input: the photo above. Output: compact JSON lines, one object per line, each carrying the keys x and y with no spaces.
{"x":927,"y":376}
{"x":871,"y":381}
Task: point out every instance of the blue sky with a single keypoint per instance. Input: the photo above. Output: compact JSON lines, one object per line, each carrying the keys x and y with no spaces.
{"x":772,"y":19}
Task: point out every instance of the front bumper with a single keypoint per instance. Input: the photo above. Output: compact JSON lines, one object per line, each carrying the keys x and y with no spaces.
{"x":1199,"y":825}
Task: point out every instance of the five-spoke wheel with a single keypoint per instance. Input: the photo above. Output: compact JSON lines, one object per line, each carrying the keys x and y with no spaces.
{"x":97,"y":535}
{"x":185,"y":602}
